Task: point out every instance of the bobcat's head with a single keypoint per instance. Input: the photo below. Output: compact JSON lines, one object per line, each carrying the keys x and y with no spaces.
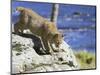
{"x":57,"y":39}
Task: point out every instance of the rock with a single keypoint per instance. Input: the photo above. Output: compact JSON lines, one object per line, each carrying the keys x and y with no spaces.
{"x":27,"y":56}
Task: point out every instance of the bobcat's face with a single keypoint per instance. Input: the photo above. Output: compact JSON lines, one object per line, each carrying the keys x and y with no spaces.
{"x":57,"y":39}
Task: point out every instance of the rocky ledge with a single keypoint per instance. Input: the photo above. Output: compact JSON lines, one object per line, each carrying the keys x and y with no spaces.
{"x":27,"y":56}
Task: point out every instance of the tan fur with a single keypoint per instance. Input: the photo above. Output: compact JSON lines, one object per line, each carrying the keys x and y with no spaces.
{"x":39,"y":26}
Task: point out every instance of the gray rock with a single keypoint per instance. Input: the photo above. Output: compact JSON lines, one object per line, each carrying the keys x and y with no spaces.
{"x":25,"y":58}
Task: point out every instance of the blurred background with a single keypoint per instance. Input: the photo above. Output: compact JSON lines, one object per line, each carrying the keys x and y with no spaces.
{"x":76,"y":22}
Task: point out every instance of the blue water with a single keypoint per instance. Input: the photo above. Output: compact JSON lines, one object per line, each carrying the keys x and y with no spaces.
{"x":81,"y":40}
{"x":82,"y":34}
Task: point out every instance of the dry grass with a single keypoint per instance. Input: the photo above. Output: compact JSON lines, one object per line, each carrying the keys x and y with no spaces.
{"x":86,"y":59}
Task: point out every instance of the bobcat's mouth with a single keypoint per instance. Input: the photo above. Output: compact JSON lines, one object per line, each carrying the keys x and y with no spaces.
{"x":57,"y":45}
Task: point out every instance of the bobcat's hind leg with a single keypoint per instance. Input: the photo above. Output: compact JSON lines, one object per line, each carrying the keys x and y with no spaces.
{"x":18,"y":28}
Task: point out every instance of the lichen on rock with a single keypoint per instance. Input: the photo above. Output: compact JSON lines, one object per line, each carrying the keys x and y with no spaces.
{"x":27,"y":56}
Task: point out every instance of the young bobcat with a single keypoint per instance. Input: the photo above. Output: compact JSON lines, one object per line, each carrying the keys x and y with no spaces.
{"x":39,"y":26}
